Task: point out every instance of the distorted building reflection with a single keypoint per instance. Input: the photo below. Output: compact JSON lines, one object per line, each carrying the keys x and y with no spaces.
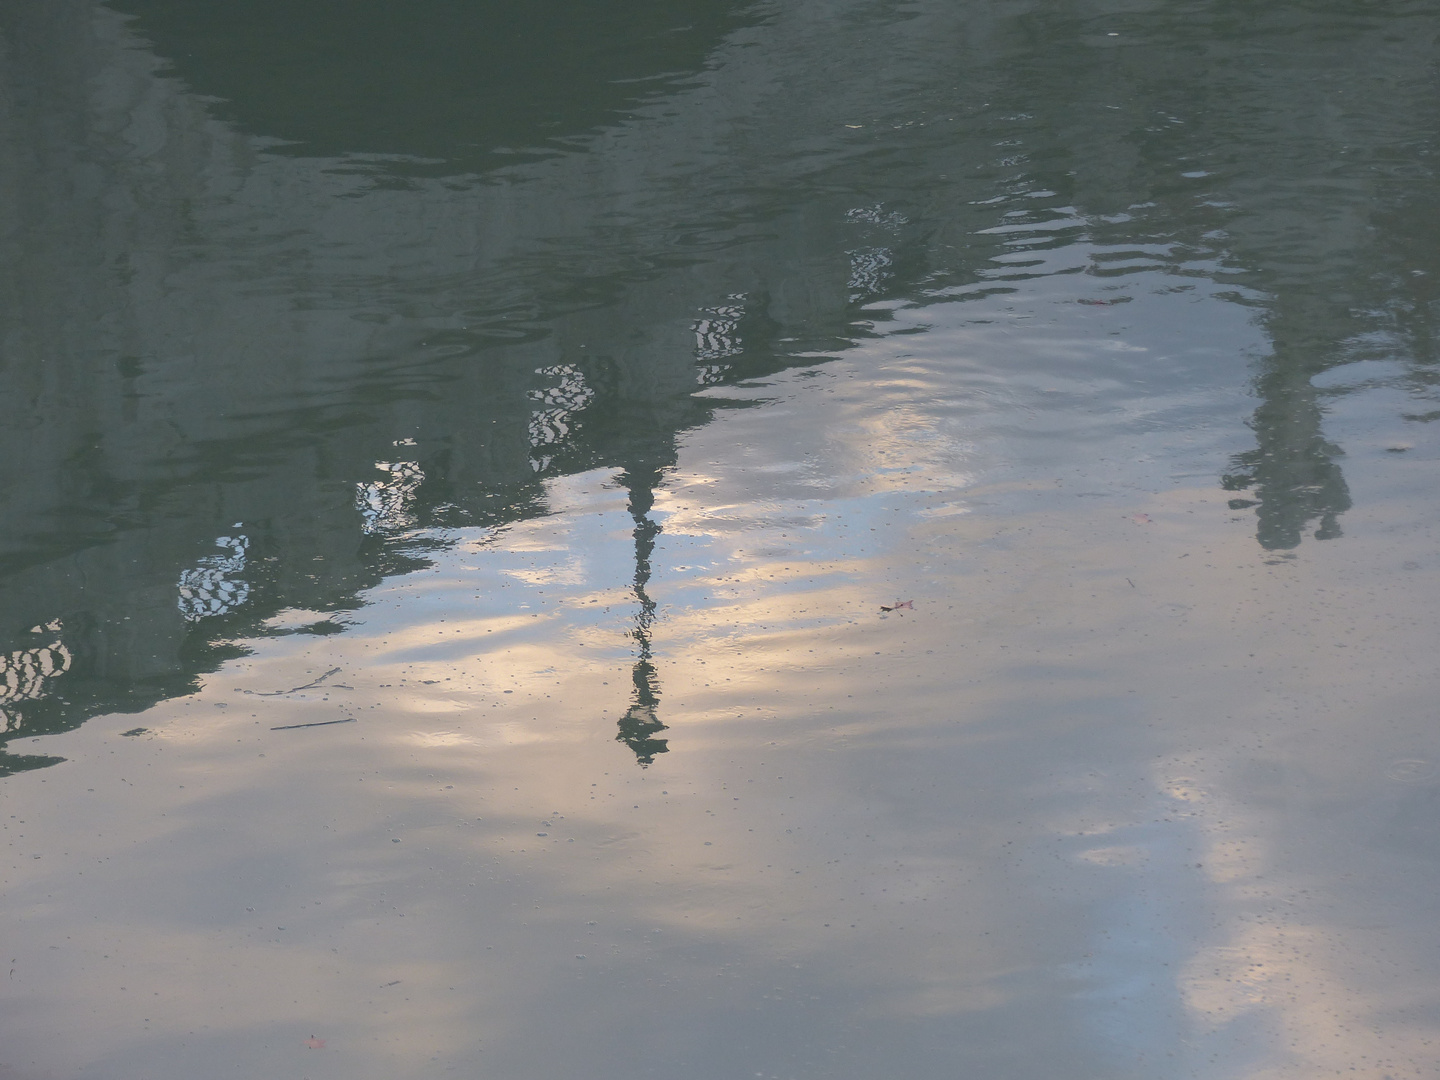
{"x":557,"y":405}
{"x":717,"y":339}
{"x":214,"y":586}
{"x":386,"y":506}
{"x":27,"y":674}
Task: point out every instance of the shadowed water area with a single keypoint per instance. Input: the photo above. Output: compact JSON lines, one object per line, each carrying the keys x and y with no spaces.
{"x":679,"y":538}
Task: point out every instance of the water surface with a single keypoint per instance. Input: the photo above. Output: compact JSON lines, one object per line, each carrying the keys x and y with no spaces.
{"x":459,"y":462}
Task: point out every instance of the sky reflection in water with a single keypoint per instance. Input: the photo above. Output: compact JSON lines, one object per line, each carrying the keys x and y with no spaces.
{"x":575,"y":490}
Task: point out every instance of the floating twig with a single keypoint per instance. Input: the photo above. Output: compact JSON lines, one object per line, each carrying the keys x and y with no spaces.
{"x":307,"y":686}
{"x":317,"y":723}
{"x":898,"y":605}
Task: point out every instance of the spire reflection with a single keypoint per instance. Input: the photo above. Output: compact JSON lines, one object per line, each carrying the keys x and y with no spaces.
{"x":641,"y":723}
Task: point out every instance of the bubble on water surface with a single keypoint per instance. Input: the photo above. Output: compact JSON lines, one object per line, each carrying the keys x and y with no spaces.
{"x":1411,"y":770}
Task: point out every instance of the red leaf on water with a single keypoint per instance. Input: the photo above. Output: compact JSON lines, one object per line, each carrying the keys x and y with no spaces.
{"x":1141,"y":519}
{"x":315,"y":1044}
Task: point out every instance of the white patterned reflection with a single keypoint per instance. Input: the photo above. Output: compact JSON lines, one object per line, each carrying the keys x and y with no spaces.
{"x":717,"y":337}
{"x":26,"y":674}
{"x":876,"y":215}
{"x":558,"y":404}
{"x":386,"y":504}
{"x":214,"y":587}
{"x":869,"y":270}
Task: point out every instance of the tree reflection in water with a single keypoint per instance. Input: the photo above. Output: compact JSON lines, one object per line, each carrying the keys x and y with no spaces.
{"x":1291,"y":475}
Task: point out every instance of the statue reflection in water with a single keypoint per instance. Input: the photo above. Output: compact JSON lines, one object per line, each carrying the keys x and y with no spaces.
{"x":641,"y":723}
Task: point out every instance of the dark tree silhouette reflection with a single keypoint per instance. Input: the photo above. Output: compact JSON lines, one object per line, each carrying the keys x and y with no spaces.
{"x":1291,"y":476}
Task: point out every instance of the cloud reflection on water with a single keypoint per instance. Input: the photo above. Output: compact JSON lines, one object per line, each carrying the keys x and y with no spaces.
{"x":1042,"y":809}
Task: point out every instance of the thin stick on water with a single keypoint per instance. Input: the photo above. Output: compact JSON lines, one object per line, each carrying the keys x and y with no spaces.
{"x":317,"y":723}
{"x":293,"y":689}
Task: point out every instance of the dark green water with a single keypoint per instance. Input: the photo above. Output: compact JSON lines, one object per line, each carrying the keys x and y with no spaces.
{"x":560,"y":395}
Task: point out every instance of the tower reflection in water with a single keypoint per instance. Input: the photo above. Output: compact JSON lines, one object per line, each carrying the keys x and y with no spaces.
{"x":641,"y":723}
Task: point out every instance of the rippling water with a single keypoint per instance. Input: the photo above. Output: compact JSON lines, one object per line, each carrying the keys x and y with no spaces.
{"x":797,"y":540}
